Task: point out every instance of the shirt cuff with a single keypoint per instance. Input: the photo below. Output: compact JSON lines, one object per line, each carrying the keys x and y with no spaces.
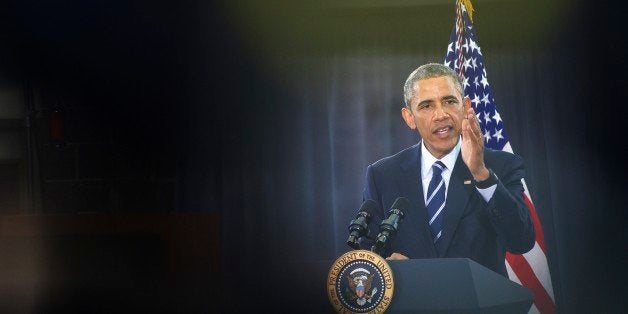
{"x":488,"y":192}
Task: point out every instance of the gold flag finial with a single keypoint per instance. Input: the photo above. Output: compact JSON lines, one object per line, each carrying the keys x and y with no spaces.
{"x":469,"y":7}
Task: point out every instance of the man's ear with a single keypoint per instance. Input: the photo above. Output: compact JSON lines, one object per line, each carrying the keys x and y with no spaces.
{"x":407,"y":116}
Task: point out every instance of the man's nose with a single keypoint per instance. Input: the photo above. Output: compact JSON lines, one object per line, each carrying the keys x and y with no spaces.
{"x":439,"y":113}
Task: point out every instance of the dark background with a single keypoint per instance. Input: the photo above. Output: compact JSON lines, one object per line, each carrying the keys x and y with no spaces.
{"x":204,"y":142}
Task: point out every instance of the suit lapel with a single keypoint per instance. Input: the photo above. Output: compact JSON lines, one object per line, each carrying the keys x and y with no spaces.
{"x":457,"y":199}
{"x":412,"y":186}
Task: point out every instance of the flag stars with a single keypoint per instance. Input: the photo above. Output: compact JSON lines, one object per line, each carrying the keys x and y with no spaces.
{"x":473,"y":45}
{"x":485,"y":99}
{"x":484,"y":81}
{"x":467,"y":64}
{"x":475,"y":100}
{"x":465,"y":82}
{"x":497,"y":118}
{"x":487,"y":135}
{"x":464,"y":56}
{"x":487,"y":117}
{"x":498,"y":134}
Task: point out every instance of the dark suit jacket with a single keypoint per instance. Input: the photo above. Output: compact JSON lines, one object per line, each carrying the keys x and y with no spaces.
{"x":472,"y":228}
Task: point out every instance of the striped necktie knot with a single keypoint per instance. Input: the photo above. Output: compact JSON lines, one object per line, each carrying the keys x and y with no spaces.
{"x":438,"y":167}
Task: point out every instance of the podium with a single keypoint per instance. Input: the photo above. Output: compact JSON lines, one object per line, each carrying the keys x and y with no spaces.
{"x":445,"y":285}
{"x":456,"y":285}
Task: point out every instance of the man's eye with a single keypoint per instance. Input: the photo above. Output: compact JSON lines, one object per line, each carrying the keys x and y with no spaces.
{"x":451,"y":102}
{"x":424,"y":106}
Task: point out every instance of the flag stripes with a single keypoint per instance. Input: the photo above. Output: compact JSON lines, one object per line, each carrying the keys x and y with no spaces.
{"x":528,"y":278}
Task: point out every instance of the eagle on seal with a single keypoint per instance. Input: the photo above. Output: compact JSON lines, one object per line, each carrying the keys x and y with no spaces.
{"x":360,"y":285}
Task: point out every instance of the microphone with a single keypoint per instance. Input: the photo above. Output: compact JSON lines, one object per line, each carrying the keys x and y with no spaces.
{"x":359,"y":226}
{"x":388,"y":227}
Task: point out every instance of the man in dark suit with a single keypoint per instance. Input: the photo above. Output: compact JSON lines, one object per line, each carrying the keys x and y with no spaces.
{"x":466,"y":200}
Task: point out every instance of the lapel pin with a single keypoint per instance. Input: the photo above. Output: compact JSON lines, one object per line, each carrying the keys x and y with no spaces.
{"x":467,"y":182}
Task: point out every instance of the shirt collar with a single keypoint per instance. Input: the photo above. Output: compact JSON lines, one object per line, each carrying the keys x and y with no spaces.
{"x":427,"y":159}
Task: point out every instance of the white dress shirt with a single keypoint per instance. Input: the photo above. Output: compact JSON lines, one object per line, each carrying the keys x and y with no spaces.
{"x":449,"y":160}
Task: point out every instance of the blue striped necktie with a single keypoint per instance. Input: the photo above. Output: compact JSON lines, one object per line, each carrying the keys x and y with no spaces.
{"x":435,"y":202}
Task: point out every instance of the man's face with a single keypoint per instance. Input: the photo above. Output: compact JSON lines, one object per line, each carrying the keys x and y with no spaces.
{"x":436,"y":110}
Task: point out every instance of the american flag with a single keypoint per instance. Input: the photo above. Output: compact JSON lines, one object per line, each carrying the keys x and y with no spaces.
{"x":465,"y":57}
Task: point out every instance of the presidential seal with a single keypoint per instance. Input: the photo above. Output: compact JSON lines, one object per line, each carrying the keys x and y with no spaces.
{"x":359,"y":282}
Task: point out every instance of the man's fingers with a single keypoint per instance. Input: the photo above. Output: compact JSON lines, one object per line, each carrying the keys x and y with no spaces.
{"x":467,"y":132}
{"x":476,"y":130}
{"x":396,"y":256}
{"x":475,"y":124}
{"x":465,"y":124}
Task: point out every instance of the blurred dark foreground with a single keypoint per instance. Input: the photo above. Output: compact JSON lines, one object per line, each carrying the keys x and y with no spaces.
{"x":97,"y":263}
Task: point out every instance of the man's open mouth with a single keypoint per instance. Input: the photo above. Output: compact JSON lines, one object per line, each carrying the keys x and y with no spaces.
{"x":443,"y":131}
